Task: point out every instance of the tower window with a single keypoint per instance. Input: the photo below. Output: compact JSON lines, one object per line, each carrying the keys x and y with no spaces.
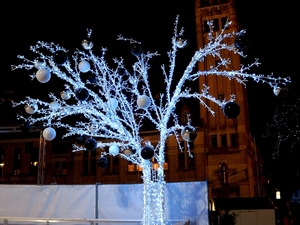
{"x":190,"y":145}
{"x":224,"y":140}
{"x":221,"y":97}
{"x":223,"y":21}
{"x":233,"y":139}
{"x":215,"y":24}
{"x":184,"y":117}
{"x":204,"y":3}
{"x":218,"y":23}
{"x":214,"y":141}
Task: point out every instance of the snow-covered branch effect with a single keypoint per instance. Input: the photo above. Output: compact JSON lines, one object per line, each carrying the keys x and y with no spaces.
{"x":111,"y":105}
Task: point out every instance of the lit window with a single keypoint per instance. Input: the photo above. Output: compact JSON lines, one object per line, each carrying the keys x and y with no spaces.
{"x":133,"y":168}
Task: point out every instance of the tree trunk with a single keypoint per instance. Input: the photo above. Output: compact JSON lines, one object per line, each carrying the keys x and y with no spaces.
{"x":153,"y":194}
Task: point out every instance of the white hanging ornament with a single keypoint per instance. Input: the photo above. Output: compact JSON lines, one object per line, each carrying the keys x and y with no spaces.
{"x":87,"y":44}
{"x":128,"y":152}
{"x":181,"y":42}
{"x":189,"y":133}
{"x":43,"y":75}
{"x":113,"y":150}
{"x":65,"y":95}
{"x":276,"y":90}
{"x":49,"y":133}
{"x":280,"y":91}
{"x":54,"y":106}
{"x":31,"y":108}
{"x":84,"y":66}
{"x":113,"y":103}
{"x":143,"y":101}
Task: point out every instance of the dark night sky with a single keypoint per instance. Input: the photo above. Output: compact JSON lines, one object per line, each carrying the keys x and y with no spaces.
{"x":271,"y":28}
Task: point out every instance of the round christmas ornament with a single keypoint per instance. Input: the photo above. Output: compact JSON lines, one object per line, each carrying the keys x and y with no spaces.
{"x":49,"y":133}
{"x":231,"y":110}
{"x":280,"y":91}
{"x":54,"y":106}
{"x":60,"y":57}
{"x":25,"y":127}
{"x":87,"y":44}
{"x":92,"y":79}
{"x":121,"y":71}
{"x":181,"y":42}
{"x":43,"y":75}
{"x":79,"y":139}
{"x":102,"y":162}
{"x":84,"y":66}
{"x":82,"y":94}
{"x":136,"y":49}
{"x":147,"y":152}
{"x":31,"y":108}
{"x":143,"y":101}
{"x":129,"y":152}
{"x":90,"y":144}
{"x":241,"y":41}
{"x":65,"y":95}
{"x":189,"y":133}
{"x":113,"y":150}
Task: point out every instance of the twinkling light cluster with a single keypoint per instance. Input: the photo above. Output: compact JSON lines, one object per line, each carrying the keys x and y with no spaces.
{"x":285,"y":126}
{"x":114,"y":102}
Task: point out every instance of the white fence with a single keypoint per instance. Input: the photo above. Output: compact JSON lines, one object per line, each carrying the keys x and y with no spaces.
{"x":91,"y":204}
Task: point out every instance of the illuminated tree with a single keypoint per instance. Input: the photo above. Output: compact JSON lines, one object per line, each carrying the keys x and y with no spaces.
{"x":111,"y":106}
{"x":284,"y":126}
{"x":283,"y":156}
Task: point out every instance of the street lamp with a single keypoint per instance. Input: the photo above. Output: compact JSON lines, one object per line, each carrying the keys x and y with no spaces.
{"x":2,"y":165}
{"x":278,"y":195}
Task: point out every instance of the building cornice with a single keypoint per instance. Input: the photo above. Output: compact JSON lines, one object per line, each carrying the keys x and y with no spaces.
{"x":215,"y":7}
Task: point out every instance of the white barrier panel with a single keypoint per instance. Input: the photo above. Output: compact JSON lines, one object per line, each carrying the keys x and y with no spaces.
{"x":62,"y":201}
{"x":182,"y":201}
{"x":187,"y":200}
{"x":120,"y":201}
